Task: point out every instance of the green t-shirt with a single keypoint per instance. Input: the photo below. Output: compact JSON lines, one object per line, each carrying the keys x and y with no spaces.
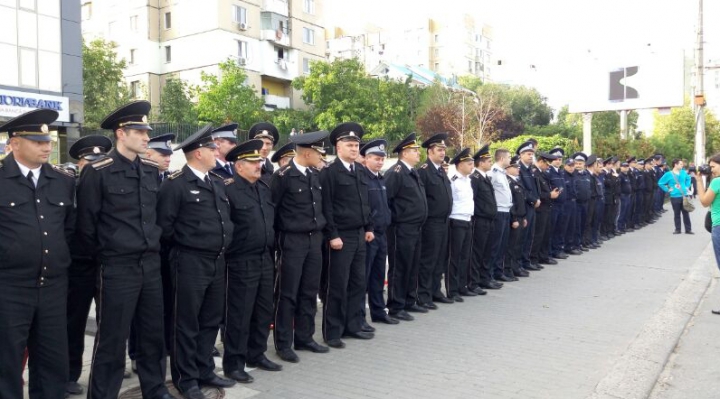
{"x":715,"y":206}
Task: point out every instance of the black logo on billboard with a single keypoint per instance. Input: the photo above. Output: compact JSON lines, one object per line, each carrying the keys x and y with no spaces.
{"x":619,"y":91}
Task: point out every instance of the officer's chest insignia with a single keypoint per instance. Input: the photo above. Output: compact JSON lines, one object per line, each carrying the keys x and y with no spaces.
{"x":175,"y":174}
{"x":397,"y":169}
{"x":424,"y":166}
{"x":229,"y":181}
{"x":63,"y":171}
{"x":196,"y":192}
{"x":103,"y":163}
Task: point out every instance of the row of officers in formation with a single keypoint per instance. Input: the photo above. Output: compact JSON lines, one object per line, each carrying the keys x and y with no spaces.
{"x":229,"y":244}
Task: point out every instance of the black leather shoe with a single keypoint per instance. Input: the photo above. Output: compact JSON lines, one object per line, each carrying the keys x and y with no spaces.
{"x":538,"y":266}
{"x":429,"y":305}
{"x":166,"y":395}
{"x":531,"y":267}
{"x":593,"y":246}
{"x":240,"y":376}
{"x":367,"y":328}
{"x":458,"y":298}
{"x":401,"y":315}
{"x":549,"y":261}
{"x":288,"y":355}
{"x":193,"y":393}
{"x":311,"y":346}
{"x":676,"y":232}
{"x":416,"y":309}
{"x":503,"y":277}
{"x":585,"y":248}
{"x":479,"y":291}
{"x":492,"y":285}
{"x":217,"y":382}
{"x":513,"y":278}
{"x":216,"y":352}
{"x":467,"y":292}
{"x":521,"y":273}
{"x":560,"y":256}
{"x":263,"y":363}
{"x":73,"y":388}
{"x":335,"y":343}
{"x":689,"y":232}
{"x":575,"y":252}
{"x":385,"y":319}
{"x":442,"y":299}
{"x":359,"y":335}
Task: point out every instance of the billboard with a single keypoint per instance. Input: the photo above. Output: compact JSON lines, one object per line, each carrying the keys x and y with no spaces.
{"x":653,"y":80}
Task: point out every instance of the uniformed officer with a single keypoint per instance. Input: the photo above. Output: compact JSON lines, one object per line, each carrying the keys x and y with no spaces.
{"x":194,"y":214}
{"x":408,"y":206}
{"x":479,"y":272}
{"x":434,"y":241}
{"x":583,"y":190}
{"x":82,"y":272}
{"x":610,"y":182}
{"x":250,"y":266}
{"x":625,"y":197}
{"x":540,"y":252}
{"x":36,"y":223}
{"x":556,"y":180}
{"x":501,"y":224}
{"x":460,"y":235}
{"x":376,"y":255}
{"x":268,"y":133}
{"x":299,"y":219}
{"x":284,"y":154}
{"x":570,"y":246}
{"x":593,"y":232}
{"x":639,"y":214}
{"x":512,"y":267}
{"x":160,"y":150}
{"x":348,"y":227}
{"x":526,"y":151}
{"x":225,"y":138}
{"x":116,"y":207}
{"x":630,"y":220}
{"x":650,"y":186}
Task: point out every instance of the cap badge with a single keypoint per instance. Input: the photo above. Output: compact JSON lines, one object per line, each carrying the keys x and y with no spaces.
{"x":44,"y":128}
{"x":382,"y":147}
{"x":96,"y":150}
{"x":351,"y":134}
{"x":145,"y":119}
{"x":168,"y":143}
{"x":442,"y":142}
{"x":234,"y":131}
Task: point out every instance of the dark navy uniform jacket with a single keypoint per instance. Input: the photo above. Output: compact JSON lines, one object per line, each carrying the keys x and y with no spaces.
{"x":527,"y":180}
{"x":253,"y":215}
{"x":557,"y":181}
{"x":583,"y":186}
{"x":569,"y":185}
{"x":345,"y":196}
{"x":437,"y":190}
{"x":36,"y":225}
{"x":406,"y":195}
{"x":483,"y":196}
{"x":625,"y":183}
{"x":298,"y":200}
{"x":377,"y":194}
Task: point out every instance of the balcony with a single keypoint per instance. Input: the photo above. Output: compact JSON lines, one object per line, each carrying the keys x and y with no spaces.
{"x":276,"y":102}
{"x":276,"y":6}
{"x":277,"y":36}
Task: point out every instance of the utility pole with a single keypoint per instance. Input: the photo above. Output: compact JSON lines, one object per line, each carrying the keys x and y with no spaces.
{"x":699,"y":93}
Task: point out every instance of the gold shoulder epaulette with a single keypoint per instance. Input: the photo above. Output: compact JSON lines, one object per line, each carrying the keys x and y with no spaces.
{"x":149,"y":162}
{"x":397,"y":168}
{"x":282,"y":170}
{"x":212,"y":172}
{"x":102,"y":163}
{"x":63,"y":171}
{"x":175,"y":174}
{"x":229,"y":181}
{"x":424,"y":166}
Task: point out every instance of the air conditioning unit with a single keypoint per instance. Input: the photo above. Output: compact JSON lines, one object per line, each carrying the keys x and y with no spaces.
{"x":242,"y":61}
{"x":242,"y":26}
{"x":282,"y":64}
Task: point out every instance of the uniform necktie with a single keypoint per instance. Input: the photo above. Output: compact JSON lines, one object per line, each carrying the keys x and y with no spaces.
{"x":30,"y":178}
{"x":207,"y":181}
{"x":227,"y":168}
{"x":352,"y":169}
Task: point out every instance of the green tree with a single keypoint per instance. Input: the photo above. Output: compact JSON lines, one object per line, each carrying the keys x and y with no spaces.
{"x":287,"y":119}
{"x":225,"y":97}
{"x":674,"y":134}
{"x":545,"y":143}
{"x":175,"y":104}
{"x":104,"y":86}
{"x":341,"y":91}
{"x":470,"y":82}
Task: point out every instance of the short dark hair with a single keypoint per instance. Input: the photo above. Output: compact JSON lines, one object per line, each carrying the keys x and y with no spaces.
{"x":675,"y":161}
{"x":501,"y":152}
{"x":715,"y":159}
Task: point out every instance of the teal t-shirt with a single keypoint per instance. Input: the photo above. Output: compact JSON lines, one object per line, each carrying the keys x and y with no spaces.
{"x":715,"y":206}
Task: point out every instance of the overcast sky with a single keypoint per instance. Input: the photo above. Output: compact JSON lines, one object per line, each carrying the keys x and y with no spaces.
{"x":554,"y":35}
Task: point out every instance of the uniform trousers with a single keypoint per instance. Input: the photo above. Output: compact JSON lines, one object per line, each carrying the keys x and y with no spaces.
{"x":375,"y":259}
{"x":498,"y":243}
{"x":659,"y":199}
{"x":542,"y":235}
{"x":479,"y":268}
{"x":433,"y":258}
{"x":568,"y":224}
{"x":344,"y":303}
{"x":597,"y":220}
{"x":581,"y":214}
{"x":625,"y":205}
{"x":81,"y":290}
{"x":512,"y":253}
{"x":556,"y":218}
{"x":647,"y":200}
{"x":127,"y":289}
{"x":587,"y":228}
{"x":639,"y":214}
{"x":297,"y":282}
{"x":460,"y":245}
{"x":248,"y":309}
{"x":528,"y":236}
{"x":403,"y":257}
{"x":34,"y":318}
{"x":199,"y":298}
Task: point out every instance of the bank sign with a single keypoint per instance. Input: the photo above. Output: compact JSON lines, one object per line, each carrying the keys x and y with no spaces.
{"x":14,"y":103}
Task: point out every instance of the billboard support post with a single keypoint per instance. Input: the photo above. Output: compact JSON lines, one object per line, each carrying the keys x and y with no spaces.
{"x":623,"y":124}
{"x":699,"y":94}
{"x":587,"y":133}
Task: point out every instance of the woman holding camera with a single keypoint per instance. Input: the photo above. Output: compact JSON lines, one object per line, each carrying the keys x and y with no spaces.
{"x":711,"y":198}
{"x":676,"y":182}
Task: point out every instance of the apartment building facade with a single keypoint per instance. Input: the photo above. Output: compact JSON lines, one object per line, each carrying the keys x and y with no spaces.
{"x":273,"y":40}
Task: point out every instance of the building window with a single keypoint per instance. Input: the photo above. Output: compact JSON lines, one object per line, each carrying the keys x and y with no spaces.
{"x":478,"y":67}
{"x":135,"y":88}
{"x":437,"y":38}
{"x":28,"y":67}
{"x":239,"y":15}
{"x":282,"y":54}
{"x":168,"y":20}
{"x":168,"y":54}
{"x":470,"y":66}
{"x":86,"y":11}
{"x":111,"y":29}
{"x":134,"y":23}
{"x":437,"y":66}
{"x":306,"y":66}
{"x":308,"y":36}
{"x":132,"y":57}
{"x":437,"y":52}
{"x":309,"y":6}
{"x":242,"y":49}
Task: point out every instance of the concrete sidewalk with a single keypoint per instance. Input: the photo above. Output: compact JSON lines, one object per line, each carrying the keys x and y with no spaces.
{"x":598,"y":325}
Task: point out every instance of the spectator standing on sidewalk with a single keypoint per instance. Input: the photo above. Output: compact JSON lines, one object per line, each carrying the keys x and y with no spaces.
{"x":676,"y":182}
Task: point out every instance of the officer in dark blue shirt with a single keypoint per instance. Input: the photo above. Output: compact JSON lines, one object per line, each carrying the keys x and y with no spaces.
{"x":639,"y":214}
{"x":532,"y":197}
{"x":583,"y":190}
{"x":376,"y":255}
{"x":567,"y":222}
{"x":625,"y":196}
{"x":555,"y":176}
